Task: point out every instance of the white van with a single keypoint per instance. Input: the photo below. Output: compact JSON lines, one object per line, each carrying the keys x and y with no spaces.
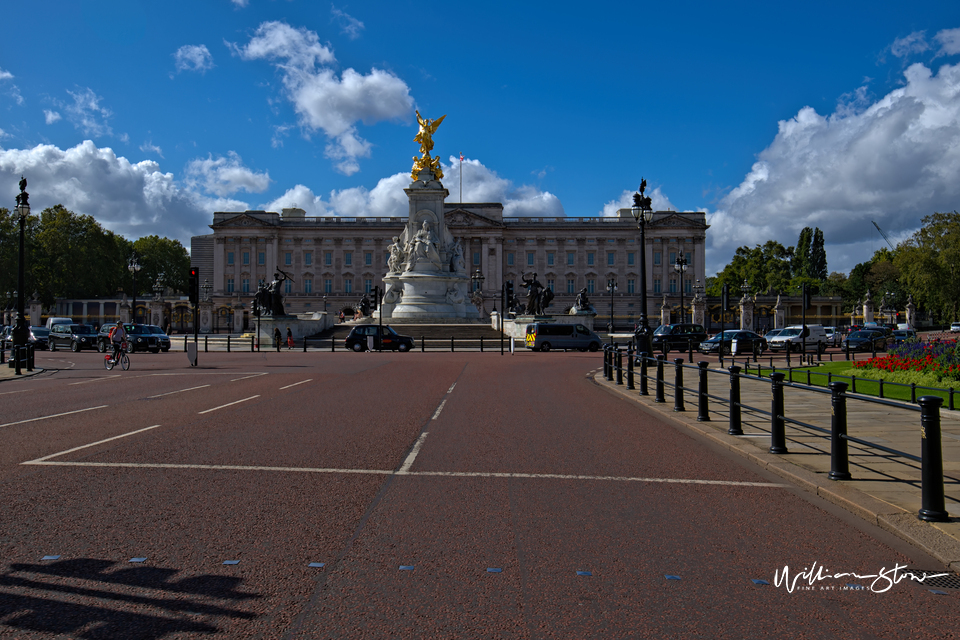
{"x":53,"y":321}
{"x":794,"y":337}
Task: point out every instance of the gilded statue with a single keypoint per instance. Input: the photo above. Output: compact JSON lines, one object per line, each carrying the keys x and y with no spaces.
{"x":425,"y":137}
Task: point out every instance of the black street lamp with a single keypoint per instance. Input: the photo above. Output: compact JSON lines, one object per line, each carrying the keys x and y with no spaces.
{"x":134,"y":267}
{"x":21,"y":331}
{"x":611,"y":287}
{"x":643,"y":214}
{"x":680,"y":266}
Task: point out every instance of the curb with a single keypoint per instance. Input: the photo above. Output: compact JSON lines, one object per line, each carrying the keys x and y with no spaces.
{"x":4,"y":376}
{"x":905,"y":525}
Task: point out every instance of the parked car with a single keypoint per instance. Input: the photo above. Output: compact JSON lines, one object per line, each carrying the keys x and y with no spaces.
{"x":388,"y":339}
{"x":833,"y":336}
{"x":795,"y":337}
{"x":955,"y":327}
{"x":865,"y":340}
{"x":902,"y":335}
{"x":544,"y":336}
{"x":72,"y":336}
{"x":734,"y":341}
{"x":677,"y":336}
{"x":139,"y":337}
{"x":163,"y":340}
{"x":38,"y":336}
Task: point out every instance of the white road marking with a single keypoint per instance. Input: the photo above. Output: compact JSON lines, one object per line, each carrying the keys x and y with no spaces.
{"x":56,"y":415}
{"x":116,"y":375}
{"x":92,"y":444}
{"x":439,"y":409}
{"x":9,"y":392}
{"x":413,"y":452}
{"x":450,"y":390}
{"x":229,"y":404}
{"x":170,"y":393}
{"x":251,"y":376}
{"x":296,"y":383}
{"x":387,"y":472}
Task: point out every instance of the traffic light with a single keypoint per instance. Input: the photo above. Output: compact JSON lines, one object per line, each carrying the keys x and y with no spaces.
{"x":193,"y":285}
{"x":375,"y":293}
{"x":725,"y":298}
{"x":507,"y":294}
{"x":806,"y":297}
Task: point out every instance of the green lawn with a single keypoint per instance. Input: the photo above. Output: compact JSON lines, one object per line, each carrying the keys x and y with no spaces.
{"x":842,"y":371}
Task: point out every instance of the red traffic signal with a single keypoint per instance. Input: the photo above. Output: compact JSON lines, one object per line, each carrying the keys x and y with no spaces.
{"x":193,"y":288}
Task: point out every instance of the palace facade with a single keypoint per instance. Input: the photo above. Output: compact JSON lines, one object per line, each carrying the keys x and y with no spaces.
{"x":333,"y":261}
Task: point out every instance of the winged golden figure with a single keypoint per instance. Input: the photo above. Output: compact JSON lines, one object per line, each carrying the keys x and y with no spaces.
{"x":425,"y":136}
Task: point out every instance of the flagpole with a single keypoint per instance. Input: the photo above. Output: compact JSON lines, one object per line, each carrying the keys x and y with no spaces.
{"x":461,"y":177}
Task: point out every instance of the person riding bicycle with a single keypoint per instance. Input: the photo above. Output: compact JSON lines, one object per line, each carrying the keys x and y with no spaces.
{"x":118,"y":336}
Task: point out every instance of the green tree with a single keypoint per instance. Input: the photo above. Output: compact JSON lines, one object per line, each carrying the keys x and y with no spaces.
{"x":158,"y":256}
{"x":801,"y":254}
{"x":818,"y":257}
{"x":929,"y":265}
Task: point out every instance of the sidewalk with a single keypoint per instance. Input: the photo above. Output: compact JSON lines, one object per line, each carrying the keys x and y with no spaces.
{"x":885,"y":489}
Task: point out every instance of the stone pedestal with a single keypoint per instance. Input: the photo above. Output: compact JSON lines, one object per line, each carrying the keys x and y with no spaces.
{"x":699,"y":306}
{"x":35,"y":311}
{"x":427,"y":275}
{"x":868,"y":311}
{"x":156,"y":308}
{"x":746,"y":313}
{"x":206,"y":317}
{"x":664,"y":312}
{"x":238,"y":310}
{"x":125,"y":311}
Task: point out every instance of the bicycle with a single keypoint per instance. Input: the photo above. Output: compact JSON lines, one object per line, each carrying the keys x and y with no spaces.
{"x":109,"y":362}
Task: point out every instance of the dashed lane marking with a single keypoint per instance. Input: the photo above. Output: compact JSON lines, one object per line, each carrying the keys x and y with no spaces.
{"x":116,"y":375}
{"x":296,"y":383}
{"x":9,"y":392}
{"x":252,"y":376}
{"x":56,"y":415}
{"x":170,"y":393}
{"x":450,"y":390}
{"x":413,"y":452}
{"x":229,"y":404}
{"x":387,"y":472}
{"x":439,"y":409}
{"x":92,"y":444}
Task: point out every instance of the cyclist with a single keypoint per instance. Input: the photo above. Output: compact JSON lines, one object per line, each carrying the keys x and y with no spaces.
{"x":118,"y":336}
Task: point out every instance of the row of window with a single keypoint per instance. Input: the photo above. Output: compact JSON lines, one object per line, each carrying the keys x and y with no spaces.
{"x":531,"y":258}
{"x":307,"y":258}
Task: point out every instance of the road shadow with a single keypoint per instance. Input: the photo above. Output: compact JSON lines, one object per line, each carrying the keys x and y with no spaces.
{"x":102,"y":599}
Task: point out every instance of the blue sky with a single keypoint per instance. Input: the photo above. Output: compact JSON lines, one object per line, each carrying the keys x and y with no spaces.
{"x":768,"y":116}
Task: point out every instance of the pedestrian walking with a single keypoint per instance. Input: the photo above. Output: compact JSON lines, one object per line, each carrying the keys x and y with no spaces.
{"x":341,"y":315}
{"x":276,"y":338}
{"x":289,"y":338}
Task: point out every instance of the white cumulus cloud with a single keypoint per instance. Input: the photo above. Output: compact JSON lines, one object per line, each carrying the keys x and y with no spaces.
{"x":50,"y":116}
{"x":225,"y":176}
{"x":5,"y":75}
{"x":480,"y":184}
{"x":193,"y":57}
{"x":892,"y":162}
{"x":349,"y":26}
{"x":949,"y":40}
{"x":322,"y":99}
{"x":132,"y":199}
{"x":915,"y":42}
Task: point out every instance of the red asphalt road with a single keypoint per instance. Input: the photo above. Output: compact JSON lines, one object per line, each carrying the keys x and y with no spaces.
{"x":333,"y":488}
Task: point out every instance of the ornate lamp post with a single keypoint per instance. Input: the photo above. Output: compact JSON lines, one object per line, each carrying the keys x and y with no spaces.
{"x":643,"y":214}
{"x":134,"y":267}
{"x":611,"y":287}
{"x":21,"y":331}
{"x":680,"y":266}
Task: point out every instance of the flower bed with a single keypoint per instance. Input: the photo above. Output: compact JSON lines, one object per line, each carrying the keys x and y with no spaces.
{"x":913,"y":361}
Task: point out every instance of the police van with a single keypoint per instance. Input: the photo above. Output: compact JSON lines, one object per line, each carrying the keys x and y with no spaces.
{"x":544,"y":336}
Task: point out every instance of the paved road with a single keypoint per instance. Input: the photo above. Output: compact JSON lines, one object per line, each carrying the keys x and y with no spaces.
{"x":448,"y":464}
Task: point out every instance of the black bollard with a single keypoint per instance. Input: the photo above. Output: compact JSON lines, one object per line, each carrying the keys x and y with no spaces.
{"x":618,"y":363}
{"x":423,"y":348}
{"x":17,"y":371}
{"x":252,"y":343}
{"x":481,"y":344}
{"x":932,"y":507}
{"x":703,"y":407}
{"x":228,"y":343}
{"x":304,"y":344}
{"x":778,"y":429}
{"x":839,"y":455}
{"x":205,"y":338}
{"x":31,"y":351}
{"x":659,"y":397}
{"x":630,"y":386}
{"x":690,"y":349}
{"x":643,"y":373}
{"x":678,"y":386}
{"x":735,"y":429}
{"x":451,"y":345}
{"x":606,"y":362}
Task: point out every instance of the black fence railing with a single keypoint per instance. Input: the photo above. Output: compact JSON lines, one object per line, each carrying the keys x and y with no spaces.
{"x":933,"y":498}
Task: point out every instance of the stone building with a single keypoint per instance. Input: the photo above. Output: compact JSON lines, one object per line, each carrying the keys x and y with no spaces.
{"x":332,"y":261}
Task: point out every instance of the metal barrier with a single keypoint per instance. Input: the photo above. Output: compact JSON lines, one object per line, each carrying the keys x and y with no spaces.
{"x":931,"y":458}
